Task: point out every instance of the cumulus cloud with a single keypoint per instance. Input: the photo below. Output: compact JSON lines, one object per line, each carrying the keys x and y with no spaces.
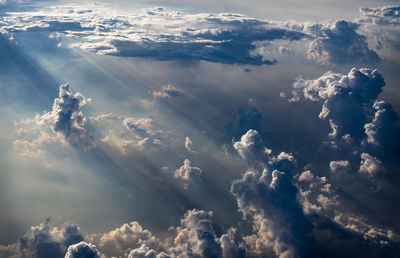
{"x":120,"y":240}
{"x":66,"y":116}
{"x":188,"y":144}
{"x":65,"y":123}
{"x":382,"y":131}
{"x":43,"y":241}
{"x":340,"y":43}
{"x":82,"y":250}
{"x":362,"y":160}
{"x":195,"y":237}
{"x":360,"y":123}
{"x":316,"y":194}
{"x":142,"y":252}
{"x":266,"y":194}
{"x":189,"y":176}
{"x":370,"y":165}
{"x":345,"y":98}
{"x":285,"y":207}
{"x":159,"y":34}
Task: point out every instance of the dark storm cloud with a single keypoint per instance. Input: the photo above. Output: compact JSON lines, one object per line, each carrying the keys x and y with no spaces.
{"x":340,"y":44}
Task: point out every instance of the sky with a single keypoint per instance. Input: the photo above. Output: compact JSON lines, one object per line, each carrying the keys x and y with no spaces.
{"x":199,"y":129}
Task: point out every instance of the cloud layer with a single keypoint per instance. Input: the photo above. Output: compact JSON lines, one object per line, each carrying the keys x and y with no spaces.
{"x":156,"y":33}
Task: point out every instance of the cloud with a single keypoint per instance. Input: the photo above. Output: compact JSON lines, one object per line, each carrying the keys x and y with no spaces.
{"x":345,"y":98}
{"x":142,"y":252}
{"x":370,"y":165}
{"x":195,"y":237}
{"x":43,"y":241}
{"x":316,"y":195}
{"x":325,"y":204}
{"x":339,"y":165}
{"x":127,"y":133}
{"x":141,"y":126}
{"x":362,"y":158}
{"x":267,"y":195}
{"x":223,"y":38}
{"x":65,"y":123}
{"x":363,"y":127}
{"x":341,"y":44}
{"x":188,"y":144}
{"x":158,"y":34}
{"x":82,"y":250}
{"x":286,"y":209}
{"x":189,"y":176}
{"x":381,"y":15}
{"x":166,"y":92}
{"x":120,"y":240}
{"x":382,"y":131}
{"x":66,"y":116}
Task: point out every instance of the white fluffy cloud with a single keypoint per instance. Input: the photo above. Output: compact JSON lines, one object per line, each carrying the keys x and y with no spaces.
{"x":120,"y":240}
{"x":187,"y":175}
{"x":82,"y":250}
